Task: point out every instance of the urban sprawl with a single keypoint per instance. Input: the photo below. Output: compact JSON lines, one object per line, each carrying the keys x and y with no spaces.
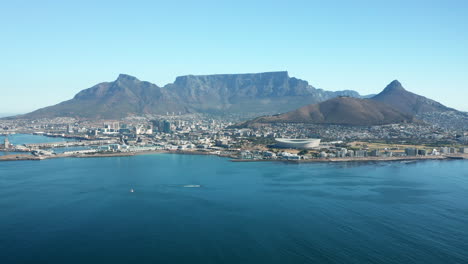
{"x":204,"y":134}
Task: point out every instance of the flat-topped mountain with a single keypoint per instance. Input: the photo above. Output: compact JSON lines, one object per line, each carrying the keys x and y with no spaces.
{"x":270,"y":92}
{"x":338,"y":111}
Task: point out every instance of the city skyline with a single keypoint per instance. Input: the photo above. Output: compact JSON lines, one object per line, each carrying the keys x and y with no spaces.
{"x":54,"y":50}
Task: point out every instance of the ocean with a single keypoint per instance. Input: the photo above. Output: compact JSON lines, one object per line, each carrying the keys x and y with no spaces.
{"x":169,"y":208}
{"x":19,"y":139}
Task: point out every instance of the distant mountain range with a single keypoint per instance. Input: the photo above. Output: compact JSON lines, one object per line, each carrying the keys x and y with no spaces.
{"x":270,"y":92}
{"x":256,"y":93}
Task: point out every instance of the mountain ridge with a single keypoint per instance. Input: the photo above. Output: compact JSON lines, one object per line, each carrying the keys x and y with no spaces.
{"x":394,"y":104}
{"x":243,"y":94}
{"x":220,"y":93}
{"x":395,"y":95}
{"x":338,"y":111}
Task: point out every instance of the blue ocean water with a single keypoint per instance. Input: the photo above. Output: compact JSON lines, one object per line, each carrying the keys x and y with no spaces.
{"x":2,"y":153}
{"x":206,"y":209}
{"x":20,"y":139}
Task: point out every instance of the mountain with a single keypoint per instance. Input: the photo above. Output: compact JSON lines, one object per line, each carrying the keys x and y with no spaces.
{"x":338,"y":111}
{"x":273,"y":92}
{"x":423,"y":108}
{"x":407,"y":102}
{"x":270,"y":92}
{"x":125,"y":96}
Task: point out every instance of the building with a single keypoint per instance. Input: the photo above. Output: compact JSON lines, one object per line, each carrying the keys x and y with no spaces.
{"x":306,"y":143}
{"x":246,"y":155}
{"x":114,"y":147}
{"x":222,"y":143}
{"x":411,"y":152}
{"x":422,"y":152}
{"x":388,"y":154}
{"x":341,"y":153}
{"x":144,"y":129}
{"x":360,"y":153}
{"x":6,"y":144}
{"x":444,"y":150}
{"x":289,"y":156}
{"x":112,"y":126}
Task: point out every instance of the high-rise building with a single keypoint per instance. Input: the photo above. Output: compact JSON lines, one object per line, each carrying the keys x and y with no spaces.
{"x":6,"y":144}
{"x":166,"y":127}
{"x":411,"y":151}
{"x":374,"y":153}
{"x":360,"y":153}
{"x":422,"y":152}
{"x":112,"y":126}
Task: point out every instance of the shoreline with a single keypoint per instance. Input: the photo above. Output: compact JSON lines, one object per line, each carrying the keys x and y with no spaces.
{"x":366,"y":159}
{"x":233,"y":157}
{"x":19,"y":157}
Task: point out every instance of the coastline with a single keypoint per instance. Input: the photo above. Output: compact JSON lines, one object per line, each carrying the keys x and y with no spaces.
{"x":366,"y":159}
{"x":233,"y":157}
{"x":19,"y":157}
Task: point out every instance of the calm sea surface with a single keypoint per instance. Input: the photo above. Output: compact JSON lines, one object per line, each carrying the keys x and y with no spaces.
{"x":19,"y":139}
{"x":205,"y":209}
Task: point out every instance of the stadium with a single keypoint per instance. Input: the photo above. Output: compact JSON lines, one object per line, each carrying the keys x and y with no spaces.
{"x":305,"y":143}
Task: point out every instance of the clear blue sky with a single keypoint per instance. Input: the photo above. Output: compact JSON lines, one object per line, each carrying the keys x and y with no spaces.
{"x":50,"y":50}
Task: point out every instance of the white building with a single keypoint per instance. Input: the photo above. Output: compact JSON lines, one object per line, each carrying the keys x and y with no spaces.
{"x":305,"y":143}
{"x":7,"y":143}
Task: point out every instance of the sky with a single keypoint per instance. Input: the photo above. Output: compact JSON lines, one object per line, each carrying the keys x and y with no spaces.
{"x":50,"y":50}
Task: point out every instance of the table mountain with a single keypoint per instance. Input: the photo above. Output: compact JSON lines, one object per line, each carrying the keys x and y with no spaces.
{"x":270,"y":92}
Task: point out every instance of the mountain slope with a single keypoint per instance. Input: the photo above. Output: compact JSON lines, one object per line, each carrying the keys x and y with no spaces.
{"x":270,"y":92}
{"x":125,"y":96}
{"x":423,"y":108}
{"x":407,"y":102}
{"x":338,"y":111}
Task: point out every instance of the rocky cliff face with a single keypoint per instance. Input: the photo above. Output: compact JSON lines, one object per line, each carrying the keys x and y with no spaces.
{"x":270,"y":92}
{"x":125,"y":96}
